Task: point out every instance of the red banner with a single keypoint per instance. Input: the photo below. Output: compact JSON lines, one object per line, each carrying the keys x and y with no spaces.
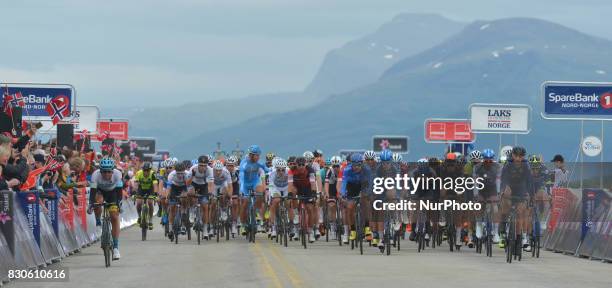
{"x":82,"y":207}
{"x":67,"y":210}
{"x":117,"y":129}
{"x":448,"y":131}
{"x":561,"y":197}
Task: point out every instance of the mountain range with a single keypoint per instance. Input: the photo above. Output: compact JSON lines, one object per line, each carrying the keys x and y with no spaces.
{"x":356,"y":64}
{"x":501,"y":61}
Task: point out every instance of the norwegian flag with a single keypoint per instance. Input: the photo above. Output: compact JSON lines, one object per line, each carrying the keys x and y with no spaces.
{"x":53,"y":152}
{"x":54,"y":165}
{"x":117,"y":151}
{"x":103,"y":136}
{"x":58,"y":108}
{"x":11,"y":101}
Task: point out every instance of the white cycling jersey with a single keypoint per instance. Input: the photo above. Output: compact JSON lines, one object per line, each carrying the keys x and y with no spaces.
{"x":201,"y":178}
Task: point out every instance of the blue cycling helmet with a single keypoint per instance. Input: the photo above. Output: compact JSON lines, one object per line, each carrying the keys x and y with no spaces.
{"x":488,"y":154}
{"x":386,"y":155}
{"x":328,"y":162}
{"x":107,"y":164}
{"x":356,"y":158}
{"x":254,"y":149}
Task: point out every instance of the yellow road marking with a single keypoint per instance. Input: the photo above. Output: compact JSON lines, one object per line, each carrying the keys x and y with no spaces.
{"x":292,"y":273}
{"x":267,"y":268}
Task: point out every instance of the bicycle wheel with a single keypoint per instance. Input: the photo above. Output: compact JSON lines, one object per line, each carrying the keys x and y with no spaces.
{"x":106,"y":242}
{"x":303,"y":226}
{"x":144,"y":221}
{"x":360,"y":232}
{"x":388,"y":238}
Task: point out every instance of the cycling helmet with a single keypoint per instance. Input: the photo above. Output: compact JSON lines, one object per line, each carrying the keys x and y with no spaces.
{"x":308,"y":156}
{"x":459,"y":155}
{"x":475,"y":155}
{"x":163,"y":164}
{"x":194,"y":162}
{"x":451,"y":156}
{"x":254,"y":149}
{"x":386,"y":155}
{"x":210,"y":158}
{"x":281,"y":163}
{"x":291,"y":161}
{"x":147,"y":166}
{"x":180,"y":167}
{"x":327,"y":161}
{"x":369,"y":155}
{"x":107,"y":164}
{"x":232,"y":160}
{"x":270,"y":156}
{"x":217,"y":165}
{"x":356,"y":158}
{"x":488,"y":154}
{"x":508,"y":153}
{"x":396,"y":157}
{"x":175,"y":160}
{"x":300,"y":161}
{"x":422,"y":163}
{"x":186,"y":163}
{"x":377,"y":158}
{"x":317,"y":153}
{"x":203,"y":159}
{"x":503,"y":159}
{"x":336,"y":160}
{"x":519,"y":151}
{"x":535,"y":159}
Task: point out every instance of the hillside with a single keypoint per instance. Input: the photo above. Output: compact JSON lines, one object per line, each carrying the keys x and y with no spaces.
{"x":503,"y":61}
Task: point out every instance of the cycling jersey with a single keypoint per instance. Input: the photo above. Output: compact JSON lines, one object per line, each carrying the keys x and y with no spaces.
{"x":279,"y":182}
{"x":201,"y":178}
{"x":98,"y":182}
{"x":223,"y":179}
{"x":331,"y":178}
{"x":423,"y":173}
{"x":488,"y":172}
{"x":539,"y":173}
{"x":145,"y":183}
{"x":517,"y":176}
{"x":354,"y":182}
{"x":302,"y":177}
{"x":235,"y":182}
{"x":250,"y":175}
{"x":179,"y":179}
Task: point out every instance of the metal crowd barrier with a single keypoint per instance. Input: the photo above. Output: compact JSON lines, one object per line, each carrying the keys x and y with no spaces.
{"x":34,"y":235}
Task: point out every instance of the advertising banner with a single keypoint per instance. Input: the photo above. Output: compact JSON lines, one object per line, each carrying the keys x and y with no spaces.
{"x":52,"y":210}
{"x":448,"y":131}
{"x":500,"y":118}
{"x":144,"y":145}
{"x":394,"y":143}
{"x":36,"y":98}
{"x":577,"y":100}
{"x":7,"y":218}
{"x":118,"y":128}
{"x":31,"y":209}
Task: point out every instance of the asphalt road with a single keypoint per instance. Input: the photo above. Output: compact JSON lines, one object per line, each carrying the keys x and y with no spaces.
{"x":235,"y":263}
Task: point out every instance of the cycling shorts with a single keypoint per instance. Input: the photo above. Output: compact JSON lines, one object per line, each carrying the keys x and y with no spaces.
{"x":353,"y":189}
{"x":200,"y":189}
{"x":145,"y":194}
{"x":113,"y":196}
{"x":246,"y":186}
{"x":279,"y":191}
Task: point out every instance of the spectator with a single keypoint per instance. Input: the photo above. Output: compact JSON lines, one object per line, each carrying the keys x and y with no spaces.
{"x":39,"y":161}
{"x":560,"y":173}
{"x":5,"y":182}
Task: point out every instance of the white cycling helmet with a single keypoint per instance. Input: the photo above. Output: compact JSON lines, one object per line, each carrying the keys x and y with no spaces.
{"x":217,"y":165}
{"x":336,"y":160}
{"x":281,"y":163}
{"x":369,"y":155}
{"x":308,"y":156}
{"x":396,"y":157}
{"x":232,"y":160}
{"x":475,"y":155}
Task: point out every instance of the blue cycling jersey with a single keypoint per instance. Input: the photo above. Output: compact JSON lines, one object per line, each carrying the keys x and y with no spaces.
{"x":351,"y":176}
{"x":250,"y":175}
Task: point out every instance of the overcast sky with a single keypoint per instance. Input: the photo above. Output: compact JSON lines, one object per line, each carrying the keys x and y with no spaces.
{"x":151,"y":53}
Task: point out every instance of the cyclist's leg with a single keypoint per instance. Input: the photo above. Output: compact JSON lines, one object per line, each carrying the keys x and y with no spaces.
{"x":139,"y":200}
{"x":274,"y":193}
{"x":114,"y":197}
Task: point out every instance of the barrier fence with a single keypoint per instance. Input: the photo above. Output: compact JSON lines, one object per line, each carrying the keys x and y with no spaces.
{"x":38,"y":228}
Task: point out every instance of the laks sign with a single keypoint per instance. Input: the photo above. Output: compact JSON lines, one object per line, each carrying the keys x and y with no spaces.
{"x":500,"y":118}
{"x":448,"y":130}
